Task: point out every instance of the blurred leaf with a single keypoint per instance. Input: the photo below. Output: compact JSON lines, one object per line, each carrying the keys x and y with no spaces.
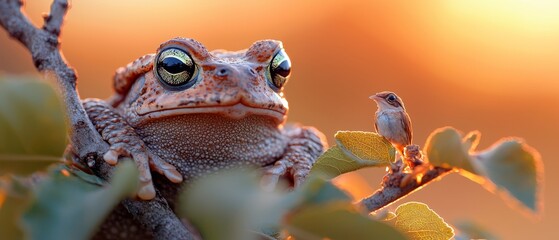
{"x":234,"y":201}
{"x":228,"y":204}
{"x":65,"y":205}
{"x":14,"y":198}
{"x":318,"y":191}
{"x":85,"y":176}
{"x":32,"y":127}
{"x":420,"y":222}
{"x":337,"y":220}
{"x":515,"y":167}
{"x":445,"y":148}
{"x":469,"y":230}
{"x":510,"y":164}
{"x":25,"y":164}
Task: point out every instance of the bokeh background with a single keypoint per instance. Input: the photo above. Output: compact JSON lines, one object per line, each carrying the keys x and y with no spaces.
{"x":486,"y":65}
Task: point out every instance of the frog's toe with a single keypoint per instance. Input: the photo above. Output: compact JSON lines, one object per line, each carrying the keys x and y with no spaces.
{"x":159,"y":165}
{"x":146,"y":190}
{"x":115,"y":151}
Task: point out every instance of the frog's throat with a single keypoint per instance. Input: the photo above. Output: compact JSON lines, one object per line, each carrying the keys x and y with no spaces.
{"x":235,"y":111}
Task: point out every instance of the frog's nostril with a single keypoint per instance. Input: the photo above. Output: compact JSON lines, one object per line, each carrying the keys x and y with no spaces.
{"x":222,"y":72}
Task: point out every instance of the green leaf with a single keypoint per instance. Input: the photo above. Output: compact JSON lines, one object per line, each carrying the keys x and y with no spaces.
{"x":509,"y":165}
{"x":337,"y":220}
{"x":420,"y":222}
{"x":515,"y":167}
{"x":32,"y":127}
{"x":65,"y":205}
{"x":445,"y":148}
{"x":228,"y":204}
{"x":356,"y":150}
{"x":14,"y":199}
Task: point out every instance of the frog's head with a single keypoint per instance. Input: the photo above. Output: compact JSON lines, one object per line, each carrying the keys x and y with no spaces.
{"x":185,"y":78}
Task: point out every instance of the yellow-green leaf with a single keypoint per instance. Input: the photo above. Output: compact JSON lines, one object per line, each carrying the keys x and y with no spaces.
{"x":515,"y":167}
{"x":337,"y":221}
{"x":333,"y":163}
{"x":367,"y":148}
{"x":355,"y":150}
{"x":420,"y":222}
{"x":445,"y":148}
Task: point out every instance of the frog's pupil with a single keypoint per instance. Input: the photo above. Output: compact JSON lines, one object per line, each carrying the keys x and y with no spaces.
{"x":283,"y":69}
{"x":173,"y":65}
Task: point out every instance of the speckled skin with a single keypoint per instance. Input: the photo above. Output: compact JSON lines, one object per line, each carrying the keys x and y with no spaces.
{"x":230,"y":117}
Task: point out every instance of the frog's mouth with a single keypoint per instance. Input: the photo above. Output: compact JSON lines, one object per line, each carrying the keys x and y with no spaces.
{"x":236,"y":111}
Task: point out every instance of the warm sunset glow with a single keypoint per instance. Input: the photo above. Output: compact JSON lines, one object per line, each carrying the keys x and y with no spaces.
{"x":355,"y":185}
{"x":526,"y":29}
{"x":487,"y":65}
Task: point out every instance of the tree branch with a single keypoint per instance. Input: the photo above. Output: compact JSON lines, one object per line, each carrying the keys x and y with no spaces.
{"x":43,"y":44}
{"x":396,"y":185}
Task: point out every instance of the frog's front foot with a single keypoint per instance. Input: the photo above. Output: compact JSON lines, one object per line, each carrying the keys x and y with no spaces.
{"x":124,"y":142}
{"x":304,"y":147}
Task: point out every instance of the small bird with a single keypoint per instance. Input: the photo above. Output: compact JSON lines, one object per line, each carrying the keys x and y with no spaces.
{"x":392,"y":121}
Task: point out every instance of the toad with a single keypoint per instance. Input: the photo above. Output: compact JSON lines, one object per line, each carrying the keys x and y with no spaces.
{"x":185,"y":112}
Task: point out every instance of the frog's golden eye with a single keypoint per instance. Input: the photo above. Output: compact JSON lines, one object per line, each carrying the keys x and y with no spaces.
{"x":175,"y":68}
{"x":280,"y":68}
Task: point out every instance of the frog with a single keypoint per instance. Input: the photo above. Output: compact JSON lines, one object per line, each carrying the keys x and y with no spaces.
{"x":185,"y":112}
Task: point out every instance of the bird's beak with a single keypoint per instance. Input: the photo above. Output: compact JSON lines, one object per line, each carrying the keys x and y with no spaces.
{"x":374,"y":97}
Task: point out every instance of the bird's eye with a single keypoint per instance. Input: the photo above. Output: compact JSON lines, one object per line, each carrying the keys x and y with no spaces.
{"x":280,"y":68}
{"x":175,"y":68}
{"x":391,"y":98}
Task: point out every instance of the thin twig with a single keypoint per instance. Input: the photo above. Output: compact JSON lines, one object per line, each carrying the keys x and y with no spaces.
{"x":391,"y":190}
{"x":396,"y":185}
{"x":43,"y":44}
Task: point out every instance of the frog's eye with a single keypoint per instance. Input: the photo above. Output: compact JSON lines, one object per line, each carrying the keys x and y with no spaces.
{"x":175,"y":68}
{"x":280,"y":68}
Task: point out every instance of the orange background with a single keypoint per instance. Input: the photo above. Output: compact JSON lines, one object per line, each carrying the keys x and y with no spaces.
{"x":486,"y":65}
